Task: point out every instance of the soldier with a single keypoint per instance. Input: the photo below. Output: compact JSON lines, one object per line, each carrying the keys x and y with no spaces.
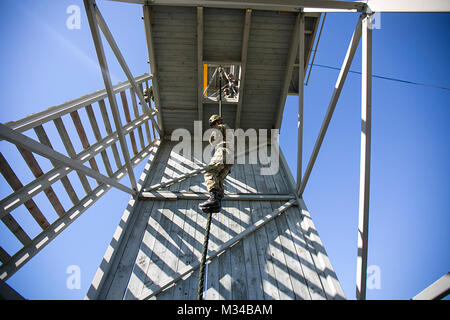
{"x":218,"y":169}
{"x":148,"y":94}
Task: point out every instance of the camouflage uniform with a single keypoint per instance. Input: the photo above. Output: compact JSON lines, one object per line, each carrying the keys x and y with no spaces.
{"x":218,"y":168}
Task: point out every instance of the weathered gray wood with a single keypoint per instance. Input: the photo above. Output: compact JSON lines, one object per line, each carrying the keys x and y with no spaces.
{"x":255,"y":290}
{"x":224,"y":259}
{"x":153,"y":63}
{"x":98,"y":137}
{"x":52,"y":113}
{"x":297,"y":277}
{"x":15,"y":184}
{"x":239,"y":286}
{"x":109,"y":131}
{"x":83,"y":138}
{"x":200,"y":72}
{"x":127,"y":243}
{"x":126,"y":111}
{"x":257,"y":225}
{"x":136,"y":114}
{"x":45,"y":237}
{"x":43,"y":138}
{"x":245,"y":36}
{"x":65,"y":138}
{"x":37,"y":172}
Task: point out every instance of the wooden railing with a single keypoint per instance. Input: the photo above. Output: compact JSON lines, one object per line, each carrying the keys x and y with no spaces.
{"x":97,"y":143}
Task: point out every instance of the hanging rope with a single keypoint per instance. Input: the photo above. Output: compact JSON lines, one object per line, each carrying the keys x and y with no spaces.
{"x":201,"y":278}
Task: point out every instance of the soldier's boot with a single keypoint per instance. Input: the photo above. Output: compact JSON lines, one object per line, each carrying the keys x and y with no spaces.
{"x":212,"y":202}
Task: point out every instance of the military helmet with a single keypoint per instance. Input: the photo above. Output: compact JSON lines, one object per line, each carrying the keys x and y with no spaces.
{"x":213,"y":119}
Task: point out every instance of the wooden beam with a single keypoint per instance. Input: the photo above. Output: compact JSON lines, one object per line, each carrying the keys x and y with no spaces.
{"x":83,"y":138}
{"x":153,"y":64}
{"x":169,"y":195}
{"x":98,"y":137}
{"x":333,"y":101}
{"x":53,"y":113}
{"x":45,"y":237}
{"x":301,"y":76}
{"x":212,"y":254}
{"x":115,"y":48}
{"x":23,"y":141}
{"x":289,"y":69}
{"x":90,"y":12}
{"x":44,"y":139}
{"x":437,"y":290}
{"x":280,"y":5}
{"x":34,"y":187}
{"x":126,"y":111}
{"x":245,"y":36}
{"x":200,"y":75}
{"x":37,"y":172}
{"x":15,"y":184}
{"x":364,"y":181}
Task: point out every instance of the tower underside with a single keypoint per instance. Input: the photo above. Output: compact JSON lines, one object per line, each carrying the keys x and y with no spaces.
{"x":263,"y":245}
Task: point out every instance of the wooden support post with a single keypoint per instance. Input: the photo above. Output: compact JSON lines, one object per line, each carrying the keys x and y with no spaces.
{"x":364,"y":181}
{"x":301,"y":76}
{"x":115,"y":48}
{"x":200,"y":71}
{"x":334,"y":99}
{"x":152,"y":57}
{"x":289,"y":69}
{"x":90,"y":12}
{"x":245,"y":36}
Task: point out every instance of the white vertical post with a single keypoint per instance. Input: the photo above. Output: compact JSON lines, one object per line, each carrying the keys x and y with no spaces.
{"x":301,"y":76}
{"x":364,"y":182}
{"x":90,"y":12}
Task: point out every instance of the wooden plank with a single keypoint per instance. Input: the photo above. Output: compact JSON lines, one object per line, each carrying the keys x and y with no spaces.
{"x":98,"y":137}
{"x":255,"y":290}
{"x":302,"y":249}
{"x":136,"y":114}
{"x":65,"y":138}
{"x":109,"y":131}
{"x":245,"y":37}
{"x":182,"y":290}
{"x":43,"y":138}
{"x":4,"y":256}
{"x":37,"y":119}
{"x":83,"y":138}
{"x":37,"y":172}
{"x":36,"y":147}
{"x":15,"y":184}
{"x":256,"y":226}
{"x":282,"y":277}
{"x":224,"y":259}
{"x":128,"y":120}
{"x":147,"y":131}
{"x":238,"y":273}
{"x":127,"y":242}
{"x":16,"y":229}
{"x":153,"y":63}
{"x":200,"y":79}
{"x":294,"y":268}
{"x":40,"y":241}
{"x":173,"y":248}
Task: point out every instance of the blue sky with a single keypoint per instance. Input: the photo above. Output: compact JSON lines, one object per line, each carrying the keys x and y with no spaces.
{"x":43,"y":63}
